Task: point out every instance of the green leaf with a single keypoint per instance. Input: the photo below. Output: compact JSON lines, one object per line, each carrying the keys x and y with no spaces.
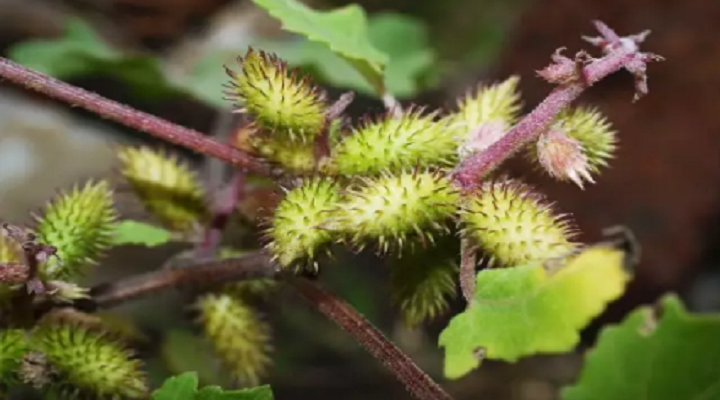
{"x":184,"y":387}
{"x":80,"y":52}
{"x":673,"y":358}
{"x":402,"y":38}
{"x":532,"y":309}
{"x":181,"y":387}
{"x":343,"y":30}
{"x":140,"y":233}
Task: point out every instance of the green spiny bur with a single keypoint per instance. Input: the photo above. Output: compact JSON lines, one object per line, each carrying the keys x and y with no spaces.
{"x":13,"y":345}
{"x":589,"y":127}
{"x":390,"y":208}
{"x":396,"y":143}
{"x":278,"y":99}
{"x":239,"y":337}
{"x":488,"y":103}
{"x":514,"y":225}
{"x":80,"y":224}
{"x":166,"y":186}
{"x":296,"y":234}
{"x":422,"y":284}
{"x":90,"y":363}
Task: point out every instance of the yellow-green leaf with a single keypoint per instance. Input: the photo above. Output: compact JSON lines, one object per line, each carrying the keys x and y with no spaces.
{"x":532,"y":309}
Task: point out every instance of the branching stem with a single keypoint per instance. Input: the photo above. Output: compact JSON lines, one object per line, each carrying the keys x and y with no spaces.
{"x":130,"y":117}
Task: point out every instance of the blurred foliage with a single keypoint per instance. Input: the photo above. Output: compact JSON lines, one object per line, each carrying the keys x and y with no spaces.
{"x":185,"y":387}
{"x":659,"y":353}
{"x":412,"y":64}
{"x":140,"y":233}
{"x":81,"y":52}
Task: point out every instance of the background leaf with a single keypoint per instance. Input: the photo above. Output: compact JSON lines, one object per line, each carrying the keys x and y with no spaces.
{"x":411,"y":61}
{"x":677,"y":359}
{"x":525,"y":310}
{"x":80,"y":52}
{"x":140,"y":233}
{"x":343,"y":30}
{"x":184,"y":387}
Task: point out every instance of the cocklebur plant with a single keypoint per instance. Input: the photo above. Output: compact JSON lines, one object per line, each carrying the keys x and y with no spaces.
{"x":400,"y":183}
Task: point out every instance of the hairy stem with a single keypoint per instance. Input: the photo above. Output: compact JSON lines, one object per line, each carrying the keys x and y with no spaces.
{"x":129,"y":117}
{"x":255,"y":265}
{"x":418,"y":383}
{"x":573,"y":77}
{"x":468,"y":262}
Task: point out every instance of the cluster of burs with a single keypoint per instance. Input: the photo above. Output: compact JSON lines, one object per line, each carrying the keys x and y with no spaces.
{"x":385,"y":183}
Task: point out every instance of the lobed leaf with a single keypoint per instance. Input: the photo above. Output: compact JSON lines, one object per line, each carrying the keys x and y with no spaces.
{"x":674,"y":357}
{"x":531,"y":309}
{"x":343,"y":30}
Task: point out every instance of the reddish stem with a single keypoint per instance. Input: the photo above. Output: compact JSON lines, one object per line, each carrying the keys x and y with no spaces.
{"x":573,"y":76}
{"x":348,"y":318}
{"x":128,"y":116}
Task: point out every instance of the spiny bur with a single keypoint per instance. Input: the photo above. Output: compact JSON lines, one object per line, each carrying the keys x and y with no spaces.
{"x":422,"y":284}
{"x":13,"y":345}
{"x":166,"y":186}
{"x":394,"y":143}
{"x":484,"y":115}
{"x":514,"y":225}
{"x":563,"y":158}
{"x":279,"y":99}
{"x":594,"y":132}
{"x":80,"y":225}
{"x":577,"y":145}
{"x":238,"y":335}
{"x":295,"y":232}
{"x":89,"y":362}
{"x":389,"y":209}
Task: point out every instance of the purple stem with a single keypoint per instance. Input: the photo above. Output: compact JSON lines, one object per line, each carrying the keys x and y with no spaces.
{"x":573,"y":76}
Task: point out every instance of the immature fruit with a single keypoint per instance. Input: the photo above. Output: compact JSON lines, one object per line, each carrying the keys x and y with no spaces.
{"x":277,"y":98}
{"x":167,"y":187}
{"x":577,"y":146}
{"x":422,"y":285}
{"x":240,"y":338}
{"x":396,"y":143}
{"x":294,"y":157}
{"x":13,"y":344}
{"x":90,"y":363}
{"x":514,"y":225}
{"x":391,"y":208}
{"x":563,"y":158}
{"x":484,"y":115}
{"x":80,"y":225}
{"x":296,"y":234}
{"x":592,"y":130}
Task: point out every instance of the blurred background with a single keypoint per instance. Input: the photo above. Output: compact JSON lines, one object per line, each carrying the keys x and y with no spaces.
{"x":166,"y":56}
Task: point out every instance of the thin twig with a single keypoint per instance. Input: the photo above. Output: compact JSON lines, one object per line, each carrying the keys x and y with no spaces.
{"x":129,"y":117}
{"x":417,"y":382}
{"x":468,"y":262}
{"x":224,"y":205}
{"x":255,"y":265}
